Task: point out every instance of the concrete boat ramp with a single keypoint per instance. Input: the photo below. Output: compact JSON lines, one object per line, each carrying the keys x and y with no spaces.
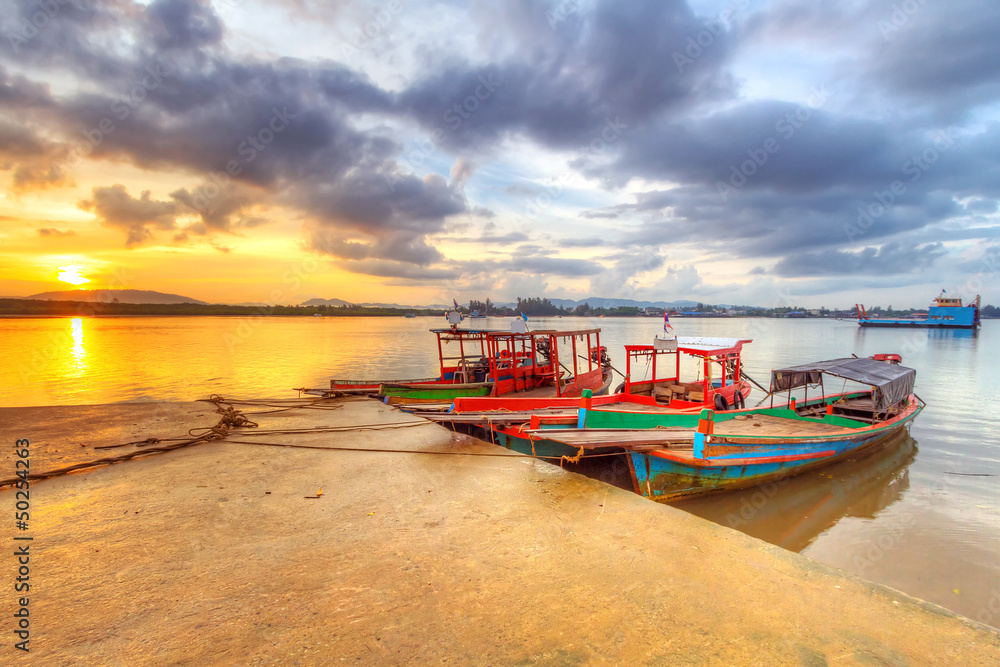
{"x":231,"y":553}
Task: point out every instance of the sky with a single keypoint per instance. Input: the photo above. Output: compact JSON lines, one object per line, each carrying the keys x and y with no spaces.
{"x":761,"y":152}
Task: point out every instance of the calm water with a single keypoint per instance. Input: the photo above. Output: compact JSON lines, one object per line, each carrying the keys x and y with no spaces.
{"x":922,"y":515}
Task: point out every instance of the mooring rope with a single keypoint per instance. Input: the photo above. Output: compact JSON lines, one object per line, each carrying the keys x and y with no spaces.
{"x":233,"y":418}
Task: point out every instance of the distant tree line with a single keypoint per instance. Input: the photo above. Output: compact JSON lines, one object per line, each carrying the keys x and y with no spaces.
{"x":84,"y":308}
{"x":532,"y":307}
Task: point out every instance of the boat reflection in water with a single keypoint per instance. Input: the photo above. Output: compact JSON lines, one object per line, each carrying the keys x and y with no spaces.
{"x":794,"y":511}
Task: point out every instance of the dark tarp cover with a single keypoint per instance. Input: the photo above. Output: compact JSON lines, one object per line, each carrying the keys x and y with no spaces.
{"x":892,"y":383}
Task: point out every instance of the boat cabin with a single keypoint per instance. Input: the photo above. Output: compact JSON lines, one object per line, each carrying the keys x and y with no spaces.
{"x":889,"y":387}
{"x":524,"y":361}
{"x":719,"y":382}
{"x":463,"y":355}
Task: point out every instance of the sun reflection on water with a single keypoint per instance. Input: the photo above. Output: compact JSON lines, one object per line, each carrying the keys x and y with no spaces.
{"x":78,"y":352}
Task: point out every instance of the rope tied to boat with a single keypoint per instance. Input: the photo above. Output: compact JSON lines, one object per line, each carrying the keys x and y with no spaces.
{"x":235,"y":419}
{"x":231,"y":418}
{"x":564,"y":458}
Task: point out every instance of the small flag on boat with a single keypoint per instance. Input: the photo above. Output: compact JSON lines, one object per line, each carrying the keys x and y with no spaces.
{"x":455,"y":301}
{"x":524,"y":317}
{"x":667,"y":326}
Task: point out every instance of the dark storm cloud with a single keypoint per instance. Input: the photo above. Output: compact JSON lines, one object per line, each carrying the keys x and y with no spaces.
{"x":566,"y":83}
{"x":780,"y":145}
{"x":556,"y":266}
{"x":154,"y":86}
{"x":34,"y":161}
{"x":136,"y":216}
{"x":221,"y":213}
{"x":168,"y":97}
{"x":891,"y":258}
{"x":183,"y":24}
{"x":475,"y":269}
{"x":835,"y":183}
{"x":769,"y":224}
{"x":943,"y":55}
{"x":497,"y":239}
{"x":409,"y":247}
{"x":932,"y":55}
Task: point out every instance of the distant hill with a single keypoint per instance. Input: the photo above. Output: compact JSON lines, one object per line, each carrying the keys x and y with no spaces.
{"x":113,"y":296}
{"x":325,"y":302}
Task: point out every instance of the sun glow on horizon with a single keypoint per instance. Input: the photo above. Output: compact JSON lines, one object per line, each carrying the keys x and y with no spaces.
{"x":71,"y":274}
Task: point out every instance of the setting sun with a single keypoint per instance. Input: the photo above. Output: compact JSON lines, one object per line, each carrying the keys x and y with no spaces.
{"x":71,"y":274}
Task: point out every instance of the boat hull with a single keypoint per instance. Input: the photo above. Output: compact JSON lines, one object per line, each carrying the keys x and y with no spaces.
{"x":517,"y":440}
{"x":442,"y":393}
{"x":664,"y":476}
{"x":541,"y":448}
{"x":914,"y":324}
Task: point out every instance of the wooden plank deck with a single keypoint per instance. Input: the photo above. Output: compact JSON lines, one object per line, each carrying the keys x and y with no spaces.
{"x":494,"y":416}
{"x":592,"y":438}
{"x":771,"y":425}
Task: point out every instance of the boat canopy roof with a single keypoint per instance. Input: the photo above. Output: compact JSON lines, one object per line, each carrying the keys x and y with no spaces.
{"x":699,"y":346}
{"x":892,"y":383}
{"x":708,"y":346}
{"x":507,"y":333}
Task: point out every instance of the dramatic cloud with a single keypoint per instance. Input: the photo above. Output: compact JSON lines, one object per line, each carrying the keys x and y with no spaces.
{"x":888,"y":259}
{"x":55,"y":233}
{"x":137,"y":217}
{"x":780,"y":140}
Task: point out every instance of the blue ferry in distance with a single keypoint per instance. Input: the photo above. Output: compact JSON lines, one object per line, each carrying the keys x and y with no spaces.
{"x":944,"y":313}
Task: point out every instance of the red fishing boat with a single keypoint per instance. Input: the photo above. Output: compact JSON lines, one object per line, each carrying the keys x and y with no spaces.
{"x":720,"y":382}
{"x":483,"y":363}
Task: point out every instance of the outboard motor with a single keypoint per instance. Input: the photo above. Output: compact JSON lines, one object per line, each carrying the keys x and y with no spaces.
{"x":600,"y":356}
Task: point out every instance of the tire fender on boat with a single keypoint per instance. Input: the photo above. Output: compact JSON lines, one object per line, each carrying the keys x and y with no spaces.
{"x":721,"y":404}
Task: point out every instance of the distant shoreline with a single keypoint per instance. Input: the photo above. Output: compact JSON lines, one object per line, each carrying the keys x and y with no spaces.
{"x":25,"y":308}
{"x":40,"y":308}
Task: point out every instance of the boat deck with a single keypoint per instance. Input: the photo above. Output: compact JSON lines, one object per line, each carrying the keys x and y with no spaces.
{"x":771,"y":425}
{"x":439,"y":412}
{"x":636,"y":440}
{"x":682,"y":438}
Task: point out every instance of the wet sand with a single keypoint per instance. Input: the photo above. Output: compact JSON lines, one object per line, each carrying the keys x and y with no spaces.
{"x":220,"y":554}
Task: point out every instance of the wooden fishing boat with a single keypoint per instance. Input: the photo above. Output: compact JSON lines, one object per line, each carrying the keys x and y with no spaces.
{"x":791,"y":512}
{"x":676,"y":455}
{"x":484,"y":363}
{"x":526,"y":366}
{"x":458,"y":369}
{"x":721,"y":381}
{"x":533,"y":370}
